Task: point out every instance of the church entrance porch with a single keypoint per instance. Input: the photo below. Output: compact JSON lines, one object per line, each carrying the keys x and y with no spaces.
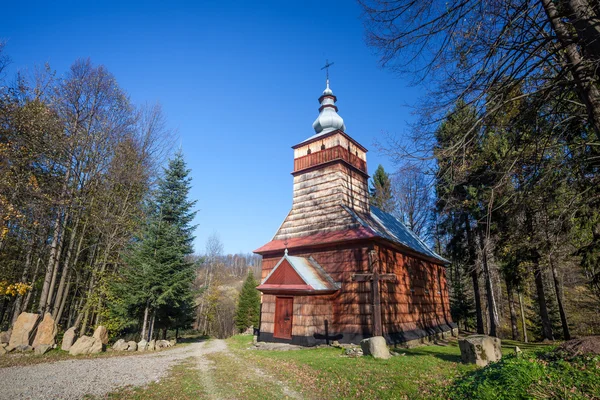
{"x":284,"y":310}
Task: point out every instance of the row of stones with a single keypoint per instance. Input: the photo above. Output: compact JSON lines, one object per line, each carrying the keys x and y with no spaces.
{"x":19,"y":338}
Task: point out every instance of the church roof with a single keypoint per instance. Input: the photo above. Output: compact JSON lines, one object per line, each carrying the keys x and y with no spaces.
{"x":387,"y":226}
{"x":376,"y":224}
{"x":298,"y":274}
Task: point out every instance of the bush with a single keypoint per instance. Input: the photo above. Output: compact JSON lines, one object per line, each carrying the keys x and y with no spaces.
{"x":543,"y":375}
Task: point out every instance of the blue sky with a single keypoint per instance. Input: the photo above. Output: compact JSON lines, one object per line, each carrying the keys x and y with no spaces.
{"x":239,"y":81}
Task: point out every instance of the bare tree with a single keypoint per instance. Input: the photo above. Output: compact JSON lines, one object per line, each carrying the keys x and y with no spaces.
{"x":414,"y":202}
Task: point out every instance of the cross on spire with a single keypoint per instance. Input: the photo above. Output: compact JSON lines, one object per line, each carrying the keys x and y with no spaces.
{"x":326,"y":68}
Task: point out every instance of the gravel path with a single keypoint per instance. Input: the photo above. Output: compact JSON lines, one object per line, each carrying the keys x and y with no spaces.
{"x":73,"y":379}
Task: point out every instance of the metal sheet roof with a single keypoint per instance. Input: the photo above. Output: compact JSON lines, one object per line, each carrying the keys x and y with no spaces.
{"x":313,"y":275}
{"x":387,"y":226}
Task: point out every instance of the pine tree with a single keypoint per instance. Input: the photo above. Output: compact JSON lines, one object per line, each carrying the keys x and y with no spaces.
{"x":381,"y":190}
{"x":248,"y":309}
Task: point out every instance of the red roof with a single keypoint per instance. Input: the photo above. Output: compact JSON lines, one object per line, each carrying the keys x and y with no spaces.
{"x":319,"y":238}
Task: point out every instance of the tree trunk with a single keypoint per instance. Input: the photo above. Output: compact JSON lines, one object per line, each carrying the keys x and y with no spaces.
{"x":559,"y":299}
{"x":489,"y":287}
{"x":541,"y":296}
{"x":587,"y":24}
{"x":29,"y":294}
{"x":65,"y":273}
{"x":474,"y":276}
{"x":513,"y":313}
{"x":145,"y":323}
{"x":583,"y":74}
{"x":50,"y":266}
{"x":19,"y":299}
{"x":523,"y":322}
{"x":151,"y":330}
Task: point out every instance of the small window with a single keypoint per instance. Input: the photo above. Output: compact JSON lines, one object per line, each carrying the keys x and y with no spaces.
{"x":308,"y":151}
{"x":323,"y":146}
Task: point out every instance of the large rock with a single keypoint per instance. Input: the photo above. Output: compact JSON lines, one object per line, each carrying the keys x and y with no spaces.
{"x":152,"y":345}
{"x":69,"y":338}
{"x":101,"y":334}
{"x":3,"y":348}
{"x":42,"y":349}
{"x":22,"y":330}
{"x":131,"y":346}
{"x":120,"y":345}
{"x":142,"y":345}
{"x":84,"y":345}
{"x":46,"y":332}
{"x":5,"y":336}
{"x":162,"y":344}
{"x":480,"y":349}
{"x":376,"y":347}
{"x":97,"y":347}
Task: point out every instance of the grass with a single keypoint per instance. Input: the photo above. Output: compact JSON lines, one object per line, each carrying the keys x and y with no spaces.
{"x":324,"y":373}
{"x":184,"y":381}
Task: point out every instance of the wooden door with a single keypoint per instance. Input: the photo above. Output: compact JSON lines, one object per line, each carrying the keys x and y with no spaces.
{"x":284,"y":308}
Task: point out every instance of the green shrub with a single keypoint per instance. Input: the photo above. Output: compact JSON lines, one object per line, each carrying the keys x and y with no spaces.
{"x":543,"y":375}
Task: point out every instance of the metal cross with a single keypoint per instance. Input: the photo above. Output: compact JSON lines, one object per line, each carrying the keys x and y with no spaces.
{"x":326,"y":67}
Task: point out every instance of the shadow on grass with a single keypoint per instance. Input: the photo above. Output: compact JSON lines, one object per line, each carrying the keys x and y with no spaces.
{"x":193,"y":339}
{"x":441,"y":352}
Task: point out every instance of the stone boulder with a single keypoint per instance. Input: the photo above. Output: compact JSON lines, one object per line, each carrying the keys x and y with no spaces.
{"x":68,"y":338}
{"x":131,"y":346}
{"x":376,"y":347}
{"x":46,"y":332}
{"x":162,"y":344}
{"x":22,"y":330}
{"x":173,"y":342}
{"x":23,"y":348}
{"x":120,"y":345}
{"x":42,"y":348}
{"x":480,"y":349}
{"x":5,"y":336}
{"x":86,"y":345}
{"x":3,"y":348}
{"x":101,"y":334}
{"x":142,"y":345}
{"x":152,"y":345}
{"x":97,"y":347}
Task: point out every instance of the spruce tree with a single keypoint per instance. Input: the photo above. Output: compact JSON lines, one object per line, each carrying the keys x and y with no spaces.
{"x":156,"y":284}
{"x":380,"y":190}
{"x":248,"y":309}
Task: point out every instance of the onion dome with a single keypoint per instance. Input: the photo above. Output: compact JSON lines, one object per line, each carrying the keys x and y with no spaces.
{"x":328,"y":119}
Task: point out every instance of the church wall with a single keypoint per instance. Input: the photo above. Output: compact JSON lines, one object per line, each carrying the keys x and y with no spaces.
{"x":347,"y":312}
{"x":419,"y":301}
{"x":416,"y":305}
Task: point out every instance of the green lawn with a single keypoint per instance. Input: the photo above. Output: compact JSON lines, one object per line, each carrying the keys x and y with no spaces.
{"x":428,"y":372}
{"x":325,"y":373}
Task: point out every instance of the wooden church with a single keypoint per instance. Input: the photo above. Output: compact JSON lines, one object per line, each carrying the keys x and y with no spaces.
{"x":338,"y":268}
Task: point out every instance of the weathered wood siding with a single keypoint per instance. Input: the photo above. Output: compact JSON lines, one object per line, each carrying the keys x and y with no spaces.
{"x":318,"y":196}
{"x":417,"y":300}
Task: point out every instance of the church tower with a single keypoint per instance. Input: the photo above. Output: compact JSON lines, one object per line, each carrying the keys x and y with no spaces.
{"x":330,"y":171}
{"x":338,"y":268}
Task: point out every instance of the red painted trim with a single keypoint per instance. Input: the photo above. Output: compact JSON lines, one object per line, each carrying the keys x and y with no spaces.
{"x":328,"y":106}
{"x":321,"y":137}
{"x":318,"y":239}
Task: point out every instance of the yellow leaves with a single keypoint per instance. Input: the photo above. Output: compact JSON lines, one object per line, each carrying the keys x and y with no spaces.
{"x":13,"y":289}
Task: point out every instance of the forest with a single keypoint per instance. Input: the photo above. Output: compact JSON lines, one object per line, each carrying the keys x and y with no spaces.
{"x":501,"y":171}
{"x":96,"y":221}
